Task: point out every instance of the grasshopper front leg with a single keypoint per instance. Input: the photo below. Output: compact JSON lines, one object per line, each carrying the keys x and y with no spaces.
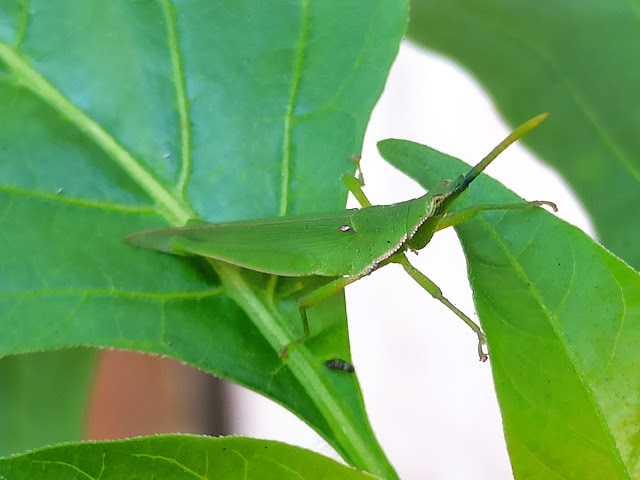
{"x":355,"y":187}
{"x":453,"y":219}
{"x":354,"y":184}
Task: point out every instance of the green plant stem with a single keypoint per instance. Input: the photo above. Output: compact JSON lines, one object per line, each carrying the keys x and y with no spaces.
{"x":170,"y":204}
{"x":351,"y":445}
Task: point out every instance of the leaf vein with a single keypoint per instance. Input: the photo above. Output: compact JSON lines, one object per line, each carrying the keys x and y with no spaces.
{"x":565,"y":297}
{"x":181,"y":96}
{"x":162,"y":297}
{"x":76,"y":308}
{"x":174,"y":209}
{"x":552,"y":320}
{"x":65,"y":464}
{"x":24,"y":23}
{"x":331,"y":104}
{"x":77,"y":201}
{"x":622,"y":323}
{"x":555,"y":418}
{"x":285,"y":166}
{"x":172,"y":461}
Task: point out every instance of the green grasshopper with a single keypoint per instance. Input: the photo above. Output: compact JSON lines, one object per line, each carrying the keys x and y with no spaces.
{"x":346,"y":245}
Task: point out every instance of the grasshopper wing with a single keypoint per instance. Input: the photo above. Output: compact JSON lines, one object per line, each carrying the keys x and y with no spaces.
{"x":330,"y":244}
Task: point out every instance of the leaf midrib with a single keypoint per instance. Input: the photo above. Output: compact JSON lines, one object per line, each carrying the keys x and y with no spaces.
{"x":171,"y":206}
{"x":303,"y":366}
{"x":537,"y":297}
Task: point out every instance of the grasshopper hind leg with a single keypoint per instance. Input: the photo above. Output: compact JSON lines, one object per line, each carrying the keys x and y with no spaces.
{"x":313,"y":298}
{"x":320,"y":294}
{"x":284,"y":351}
{"x":305,"y":322}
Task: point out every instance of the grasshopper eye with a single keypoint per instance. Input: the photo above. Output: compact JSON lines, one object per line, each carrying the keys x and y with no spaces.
{"x":436,"y":205}
{"x":440,"y":202}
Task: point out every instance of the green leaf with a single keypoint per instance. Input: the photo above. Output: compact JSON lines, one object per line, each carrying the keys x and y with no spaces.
{"x":129,"y":115}
{"x":574,"y":59}
{"x":43,"y":398}
{"x":177,"y":457}
{"x":562,"y":319}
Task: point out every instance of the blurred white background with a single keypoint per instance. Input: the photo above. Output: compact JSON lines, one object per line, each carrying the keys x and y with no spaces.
{"x":431,"y":403}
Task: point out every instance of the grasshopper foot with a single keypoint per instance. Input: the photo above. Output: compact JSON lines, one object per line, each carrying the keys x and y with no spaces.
{"x":284,"y":351}
{"x":482,"y":341}
{"x":483,"y":356}
{"x":540,"y":203}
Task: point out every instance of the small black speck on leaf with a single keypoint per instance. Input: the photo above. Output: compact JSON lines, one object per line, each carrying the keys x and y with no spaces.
{"x":338,"y":364}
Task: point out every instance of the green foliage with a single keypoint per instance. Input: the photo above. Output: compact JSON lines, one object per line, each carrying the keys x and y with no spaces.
{"x":43,"y":398}
{"x":178,"y":457}
{"x":127,"y":115}
{"x":577,"y":60}
{"x":562,"y":319}
{"x":124,"y":115}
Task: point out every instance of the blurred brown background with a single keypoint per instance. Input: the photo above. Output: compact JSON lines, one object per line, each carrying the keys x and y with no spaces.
{"x":136,"y":394}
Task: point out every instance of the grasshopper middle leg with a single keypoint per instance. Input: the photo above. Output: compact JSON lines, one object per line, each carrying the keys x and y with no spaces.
{"x":436,"y":293}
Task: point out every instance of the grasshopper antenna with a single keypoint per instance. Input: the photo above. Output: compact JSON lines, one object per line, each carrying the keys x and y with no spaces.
{"x":518,"y":133}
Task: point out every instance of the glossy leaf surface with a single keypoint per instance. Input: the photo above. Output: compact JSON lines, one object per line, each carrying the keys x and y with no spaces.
{"x":129,"y":115}
{"x":562,"y":319}
{"x":178,"y":457}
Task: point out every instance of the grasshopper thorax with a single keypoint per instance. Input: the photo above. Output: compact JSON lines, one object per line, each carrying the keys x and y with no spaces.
{"x":437,"y":202}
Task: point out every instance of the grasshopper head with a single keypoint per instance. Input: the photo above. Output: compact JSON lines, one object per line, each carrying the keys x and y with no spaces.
{"x":455,"y":188}
{"x":443,"y":195}
{"x":440,"y":198}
